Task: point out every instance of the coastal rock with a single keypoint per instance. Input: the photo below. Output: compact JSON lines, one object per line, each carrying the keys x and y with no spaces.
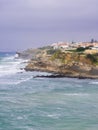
{"x":67,"y":64}
{"x":94,"y":71}
{"x":28,"y":54}
{"x":73,"y":71}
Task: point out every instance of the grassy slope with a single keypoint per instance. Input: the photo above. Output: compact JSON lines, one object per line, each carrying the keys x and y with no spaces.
{"x":72,"y":57}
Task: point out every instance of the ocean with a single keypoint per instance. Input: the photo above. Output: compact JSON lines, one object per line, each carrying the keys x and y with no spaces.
{"x":28,"y":103}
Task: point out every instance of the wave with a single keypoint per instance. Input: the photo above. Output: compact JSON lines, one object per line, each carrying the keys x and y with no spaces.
{"x":15,"y":82}
{"x":77,"y":94}
{"x":94,"y":82}
{"x":11,"y":65}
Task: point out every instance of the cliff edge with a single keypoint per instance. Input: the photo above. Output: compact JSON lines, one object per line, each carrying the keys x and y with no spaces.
{"x":66,"y":63}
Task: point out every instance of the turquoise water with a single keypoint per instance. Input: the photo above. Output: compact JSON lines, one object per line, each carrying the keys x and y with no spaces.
{"x":28,"y":103}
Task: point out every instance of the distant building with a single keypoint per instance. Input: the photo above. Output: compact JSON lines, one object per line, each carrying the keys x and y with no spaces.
{"x":66,"y":45}
{"x":60,"y":45}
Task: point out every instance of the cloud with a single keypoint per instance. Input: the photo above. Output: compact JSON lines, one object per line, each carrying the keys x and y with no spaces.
{"x":46,"y":20}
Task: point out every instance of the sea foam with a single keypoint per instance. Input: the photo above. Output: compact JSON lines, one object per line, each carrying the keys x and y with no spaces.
{"x":11,"y":65}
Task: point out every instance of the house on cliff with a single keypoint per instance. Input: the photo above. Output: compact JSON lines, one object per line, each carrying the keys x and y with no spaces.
{"x":60,"y":45}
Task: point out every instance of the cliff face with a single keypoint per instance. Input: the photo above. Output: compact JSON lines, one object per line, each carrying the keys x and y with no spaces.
{"x":67,"y":63}
{"x":30,"y":53}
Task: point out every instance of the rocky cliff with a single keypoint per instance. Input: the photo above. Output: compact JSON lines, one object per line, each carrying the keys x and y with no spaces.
{"x":70,"y":64}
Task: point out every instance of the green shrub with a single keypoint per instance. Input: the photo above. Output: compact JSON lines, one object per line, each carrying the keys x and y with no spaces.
{"x":91,"y":57}
{"x":81,"y":49}
{"x":51,"y":51}
{"x":59,"y":55}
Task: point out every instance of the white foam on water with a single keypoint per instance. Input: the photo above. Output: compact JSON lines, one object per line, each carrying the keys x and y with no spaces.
{"x":11,"y":65}
{"x":54,"y":116}
{"x":24,"y":80}
{"x":15,"y":82}
{"x":76,"y":94}
{"x":94,"y":82}
{"x":20,"y":117}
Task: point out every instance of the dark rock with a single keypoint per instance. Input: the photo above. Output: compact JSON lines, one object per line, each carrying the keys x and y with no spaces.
{"x":49,"y":76}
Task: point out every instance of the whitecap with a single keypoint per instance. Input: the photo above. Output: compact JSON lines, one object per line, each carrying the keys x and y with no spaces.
{"x":20,"y":118}
{"x":76,"y":94}
{"x":16,"y":82}
{"x":54,"y":116}
{"x":10,"y":65}
{"x":94,"y":82}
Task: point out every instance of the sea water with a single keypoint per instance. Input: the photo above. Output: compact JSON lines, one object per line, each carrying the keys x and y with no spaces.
{"x":28,"y":103}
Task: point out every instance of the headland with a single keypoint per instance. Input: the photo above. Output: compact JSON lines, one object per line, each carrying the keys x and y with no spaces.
{"x":64,"y":60}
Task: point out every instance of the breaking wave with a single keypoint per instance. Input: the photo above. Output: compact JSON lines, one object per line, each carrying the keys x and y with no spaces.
{"x":9,"y":65}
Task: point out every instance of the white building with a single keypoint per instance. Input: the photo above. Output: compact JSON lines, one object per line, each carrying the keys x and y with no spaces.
{"x":60,"y":45}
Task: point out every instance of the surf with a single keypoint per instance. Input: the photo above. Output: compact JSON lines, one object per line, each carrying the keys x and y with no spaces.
{"x":10,"y":64}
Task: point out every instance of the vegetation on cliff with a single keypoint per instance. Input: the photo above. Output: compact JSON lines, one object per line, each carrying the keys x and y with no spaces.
{"x":75,"y":56}
{"x":70,"y":63}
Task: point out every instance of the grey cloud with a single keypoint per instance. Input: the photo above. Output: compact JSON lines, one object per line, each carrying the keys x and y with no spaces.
{"x":46,"y":21}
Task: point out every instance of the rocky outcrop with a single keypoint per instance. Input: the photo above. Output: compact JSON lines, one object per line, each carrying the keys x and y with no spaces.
{"x":35,"y":65}
{"x":68,"y":64}
{"x":33,"y":53}
{"x":73,"y":71}
{"x":29,"y":54}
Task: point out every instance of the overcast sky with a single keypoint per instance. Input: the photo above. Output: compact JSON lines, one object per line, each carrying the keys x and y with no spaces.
{"x":33,"y":23}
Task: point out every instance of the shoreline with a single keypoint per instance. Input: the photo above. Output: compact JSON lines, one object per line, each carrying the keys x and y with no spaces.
{"x":60,"y":75}
{"x":62,"y":63}
{"x":63,"y":76}
{"x":73,"y":71}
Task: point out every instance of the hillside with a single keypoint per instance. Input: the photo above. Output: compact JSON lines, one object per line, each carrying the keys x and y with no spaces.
{"x":69,"y":63}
